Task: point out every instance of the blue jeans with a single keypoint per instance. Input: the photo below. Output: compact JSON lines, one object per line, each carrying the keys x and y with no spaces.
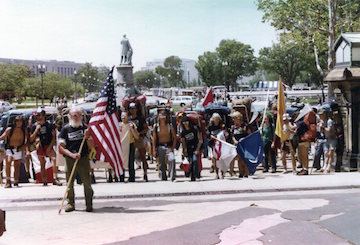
{"x":319,"y":152}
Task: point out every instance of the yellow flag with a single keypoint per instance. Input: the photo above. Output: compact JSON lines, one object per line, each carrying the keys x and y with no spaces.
{"x":281,"y":110}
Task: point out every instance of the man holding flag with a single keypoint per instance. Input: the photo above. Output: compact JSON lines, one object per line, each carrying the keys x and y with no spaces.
{"x":282,"y":122}
{"x":71,"y":146}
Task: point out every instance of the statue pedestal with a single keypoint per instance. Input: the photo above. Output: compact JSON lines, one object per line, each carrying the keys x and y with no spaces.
{"x":125,"y":75}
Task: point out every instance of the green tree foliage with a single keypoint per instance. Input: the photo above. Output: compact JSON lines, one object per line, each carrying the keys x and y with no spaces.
{"x":91,"y":78}
{"x":239,"y":59}
{"x":231,"y":61}
{"x":288,"y":60}
{"x":209,"y":68}
{"x":146,"y":79}
{"x":316,"y":23}
{"x":171,"y":71}
{"x":54,"y":85}
{"x":12,"y":78}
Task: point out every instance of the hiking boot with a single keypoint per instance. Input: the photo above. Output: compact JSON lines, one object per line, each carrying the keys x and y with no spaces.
{"x":303,"y":172}
{"x":69,"y":208}
{"x":8,"y":184}
{"x":57,"y":182}
{"x":93,"y":181}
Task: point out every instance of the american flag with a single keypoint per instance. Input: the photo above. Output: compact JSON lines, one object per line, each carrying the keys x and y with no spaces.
{"x":104,"y":127}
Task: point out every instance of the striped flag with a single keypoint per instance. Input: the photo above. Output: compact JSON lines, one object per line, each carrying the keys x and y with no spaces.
{"x":104,"y":127}
{"x":209,"y":97}
{"x":224,"y":152}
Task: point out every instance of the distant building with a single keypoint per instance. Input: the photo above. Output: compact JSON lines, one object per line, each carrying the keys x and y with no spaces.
{"x":63,"y":68}
{"x":187,"y":65}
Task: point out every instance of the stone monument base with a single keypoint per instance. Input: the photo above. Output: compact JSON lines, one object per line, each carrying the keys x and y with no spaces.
{"x":125,"y":75}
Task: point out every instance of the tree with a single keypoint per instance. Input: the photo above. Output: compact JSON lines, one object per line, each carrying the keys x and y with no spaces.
{"x":146,"y":79}
{"x":209,"y":68}
{"x":231,"y":61}
{"x":286,"y":59}
{"x":12,"y":77}
{"x":92,"y":79}
{"x":315,"y":23}
{"x":54,"y":85}
{"x":239,"y":60}
{"x":172,"y":71}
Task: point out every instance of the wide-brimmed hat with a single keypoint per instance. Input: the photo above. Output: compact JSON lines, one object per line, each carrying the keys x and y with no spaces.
{"x":132,"y":105}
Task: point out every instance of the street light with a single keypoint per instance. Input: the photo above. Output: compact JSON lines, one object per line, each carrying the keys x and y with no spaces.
{"x":188,"y":75}
{"x":225,"y":63}
{"x":83,"y":82}
{"x":75,"y":81}
{"x":42,"y":69}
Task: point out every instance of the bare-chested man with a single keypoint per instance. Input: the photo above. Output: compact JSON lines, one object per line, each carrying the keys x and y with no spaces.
{"x":164,"y":143}
{"x":16,"y":137}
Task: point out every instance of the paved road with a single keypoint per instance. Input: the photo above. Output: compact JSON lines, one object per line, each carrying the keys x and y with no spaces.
{"x":263,"y":209}
{"x":300,"y":217}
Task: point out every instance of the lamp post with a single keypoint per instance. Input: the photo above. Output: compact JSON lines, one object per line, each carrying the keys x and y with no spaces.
{"x":225,"y":63}
{"x":83,"y":82}
{"x":42,"y":69}
{"x":75,"y":81}
{"x":188,"y":76}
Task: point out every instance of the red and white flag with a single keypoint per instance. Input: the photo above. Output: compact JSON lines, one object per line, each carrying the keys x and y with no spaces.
{"x":104,"y":127}
{"x":209,"y":97}
{"x":224,"y":152}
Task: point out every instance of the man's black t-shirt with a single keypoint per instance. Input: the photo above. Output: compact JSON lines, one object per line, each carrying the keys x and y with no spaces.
{"x":191,"y":138}
{"x":73,"y":137}
{"x":45,"y":133}
{"x":139,"y":122}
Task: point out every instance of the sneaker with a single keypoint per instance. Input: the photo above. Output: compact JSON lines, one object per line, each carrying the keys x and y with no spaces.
{"x":273,"y":171}
{"x":57,"y":182}
{"x":265,"y":170}
{"x":69,"y":208}
{"x":146,"y":178}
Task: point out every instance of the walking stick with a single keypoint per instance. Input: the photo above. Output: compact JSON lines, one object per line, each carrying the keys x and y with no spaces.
{"x":71,"y":175}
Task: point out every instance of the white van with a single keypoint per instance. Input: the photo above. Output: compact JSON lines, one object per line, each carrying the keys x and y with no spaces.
{"x":181,"y":100}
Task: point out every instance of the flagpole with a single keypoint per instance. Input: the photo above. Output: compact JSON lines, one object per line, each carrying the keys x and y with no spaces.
{"x":71,"y":175}
{"x":222,"y":141}
{"x":266,"y":106}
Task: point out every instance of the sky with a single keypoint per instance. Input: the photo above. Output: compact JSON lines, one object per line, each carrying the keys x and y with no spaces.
{"x":91,"y":30}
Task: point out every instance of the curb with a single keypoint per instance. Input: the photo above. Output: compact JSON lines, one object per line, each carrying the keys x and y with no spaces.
{"x":200,"y":193}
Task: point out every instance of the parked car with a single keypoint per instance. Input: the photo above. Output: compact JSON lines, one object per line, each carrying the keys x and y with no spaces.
{"x":91,"y":98}
{"x":181,"y":100}
{"x":6,"y":106}
{"x":155,"y":100}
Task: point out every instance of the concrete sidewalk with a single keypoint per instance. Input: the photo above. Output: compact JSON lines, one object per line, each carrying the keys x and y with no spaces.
{"x":182,"y":186}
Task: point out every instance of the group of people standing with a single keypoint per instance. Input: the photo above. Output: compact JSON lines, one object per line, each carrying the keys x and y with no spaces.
{"x":40,"y":136}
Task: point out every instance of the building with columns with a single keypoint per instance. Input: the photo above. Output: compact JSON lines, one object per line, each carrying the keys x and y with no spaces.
{"x":63,"y":68}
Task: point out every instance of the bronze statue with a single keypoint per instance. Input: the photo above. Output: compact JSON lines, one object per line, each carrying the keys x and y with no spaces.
{"x":126,"y":52}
